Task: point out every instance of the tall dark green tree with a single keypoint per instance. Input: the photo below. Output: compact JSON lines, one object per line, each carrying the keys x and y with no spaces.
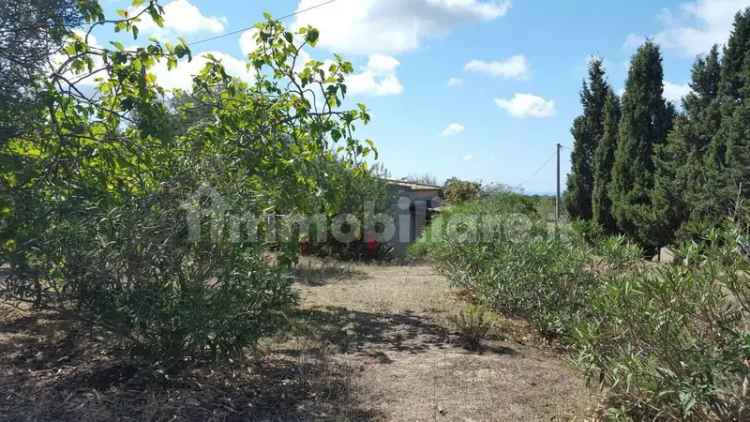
{"x":604,"y":158}
{"x":682,"y":202}
{"x":729,"y":158}
{"x":587,"y":131}
{"x":645,"y":123}
{"x":734,"y":63}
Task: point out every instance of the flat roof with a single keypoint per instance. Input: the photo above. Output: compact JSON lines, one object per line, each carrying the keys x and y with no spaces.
{"x":410,"y":185}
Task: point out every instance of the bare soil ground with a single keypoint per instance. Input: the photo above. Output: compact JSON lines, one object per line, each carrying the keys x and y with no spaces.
{"x":392,"y":325}
{"x":368,"y":343}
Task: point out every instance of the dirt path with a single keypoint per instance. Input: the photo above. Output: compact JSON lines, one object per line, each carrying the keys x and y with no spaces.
{"x":369,"y":343}
{"x":390,"y":325}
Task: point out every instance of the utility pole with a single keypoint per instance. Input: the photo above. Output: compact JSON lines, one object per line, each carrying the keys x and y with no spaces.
{"x":557,"y":198}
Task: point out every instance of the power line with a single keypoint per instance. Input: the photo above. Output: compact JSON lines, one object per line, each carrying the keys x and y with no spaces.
{"x":237,"y":31}
{"x":536,"y":173}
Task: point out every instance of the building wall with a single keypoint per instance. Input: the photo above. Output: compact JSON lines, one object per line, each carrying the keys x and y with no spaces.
{"x":410,"y":215}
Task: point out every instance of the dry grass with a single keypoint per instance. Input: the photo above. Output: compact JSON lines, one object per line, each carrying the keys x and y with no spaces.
{"x":393,"y":323}
{"x":369,"y":342}
{"x":50,"y":370}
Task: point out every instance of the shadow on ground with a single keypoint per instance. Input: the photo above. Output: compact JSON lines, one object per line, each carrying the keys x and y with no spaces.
{"x":364,"y":332}
{"x":52,"y":371}
{"x":322,"y":274}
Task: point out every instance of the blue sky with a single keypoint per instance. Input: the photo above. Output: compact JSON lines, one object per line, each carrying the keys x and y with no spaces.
{"x":476,"y":89}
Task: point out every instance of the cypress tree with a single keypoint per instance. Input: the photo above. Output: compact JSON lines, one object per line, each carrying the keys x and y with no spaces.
{"x":729,"y":157}
{"x":587,"y":130}
{"x":681,"y":200}
{"x":705,"y":82}
{"x":604,"y":159}
{"x":736,"y":133}
{"x":734,"y":78}
{"x":576,"y":188}
{"x":646,"y":120}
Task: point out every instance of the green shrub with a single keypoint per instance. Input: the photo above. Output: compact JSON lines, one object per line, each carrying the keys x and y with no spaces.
{"x":672,"y":342}
{"x":457,"y":191}
{"x":666,"y":342}
{"x":589,"y":231}
{"x":135,"y":271}
{"x":91,"y":193}
{"x":473,"y":322}
{"x":506,"y":253}
{"x":361,"y":194}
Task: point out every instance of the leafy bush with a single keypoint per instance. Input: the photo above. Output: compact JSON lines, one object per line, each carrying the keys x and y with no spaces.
{"x":135,"y":271}
{"x":673,"y":342}
{"x":91,"y":194}
{"x":589,"y":231}
{"x":361,"y":194}
{"x":474,"y":322}
{"x":501,"y":248}
{"x":457,"y":191}
{"x":667,"y":342}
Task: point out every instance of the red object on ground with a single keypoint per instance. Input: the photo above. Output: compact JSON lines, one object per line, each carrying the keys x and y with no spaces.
{"x":372,"y":245}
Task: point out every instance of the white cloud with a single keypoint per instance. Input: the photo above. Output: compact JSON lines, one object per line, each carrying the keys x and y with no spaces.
{"x":302,"y":58}
{"x":247,"y":41}
{"x":454,"y":82}
{"x":453,"y":129}
{"x":633,"y":41}
{"x":672,"y":92}
{"x":391,"y":26}
{"x":468,"y":157}
{"x":181,"y":77}
{"x":378,"y":78}
{"x":516,"y":67}
{"x":698,"y":25}
{"x":675,"y":92}
{"x":380,"y":63}
{"x":527,"y":105}
{"x":182,"y":17}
